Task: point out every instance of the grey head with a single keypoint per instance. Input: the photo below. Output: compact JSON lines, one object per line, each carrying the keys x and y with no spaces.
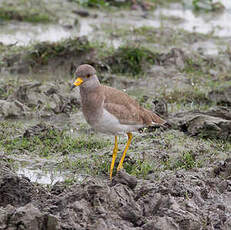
{"x":86,"y":77}
{"x":85,"y":71}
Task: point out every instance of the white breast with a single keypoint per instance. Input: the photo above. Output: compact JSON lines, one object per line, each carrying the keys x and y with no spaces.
{"x":109,"y":124}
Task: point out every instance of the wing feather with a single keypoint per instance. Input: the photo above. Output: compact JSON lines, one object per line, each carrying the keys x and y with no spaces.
{"x":127,"y":110}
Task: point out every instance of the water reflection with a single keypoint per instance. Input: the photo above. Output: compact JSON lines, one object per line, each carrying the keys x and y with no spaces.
{"x":24,"y":33}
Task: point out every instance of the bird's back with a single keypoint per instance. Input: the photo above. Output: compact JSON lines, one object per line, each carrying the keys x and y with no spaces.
{"x":126,"y":109}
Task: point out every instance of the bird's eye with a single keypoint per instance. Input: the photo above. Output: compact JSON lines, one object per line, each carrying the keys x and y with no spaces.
{"x":88,"y":75}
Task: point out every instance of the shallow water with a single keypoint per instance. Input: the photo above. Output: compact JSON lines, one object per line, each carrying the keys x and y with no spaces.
{"x":46,"y":177}
{"x":216,"y":23}
{"x":43,"y":170}
{"x":41,"y":177}
{"x":23,"y":33}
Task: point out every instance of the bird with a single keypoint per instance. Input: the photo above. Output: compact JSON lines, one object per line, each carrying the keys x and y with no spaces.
{"x":111,"y":111}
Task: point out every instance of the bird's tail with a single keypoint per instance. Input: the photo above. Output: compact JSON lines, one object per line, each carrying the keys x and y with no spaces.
{"x":154,"y":119}
{"x":157,"y":119}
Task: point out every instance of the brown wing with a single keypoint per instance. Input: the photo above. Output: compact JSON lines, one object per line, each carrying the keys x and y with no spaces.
{"x":126,"y":115}
{"x":126,"y":109}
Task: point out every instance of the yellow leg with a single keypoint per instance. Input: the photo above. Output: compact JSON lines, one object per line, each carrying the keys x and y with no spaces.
{"x":115,"y":150}
{"x":120,"y":166}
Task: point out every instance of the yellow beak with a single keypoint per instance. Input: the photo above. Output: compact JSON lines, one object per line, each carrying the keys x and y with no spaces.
{"x":78,"y":81}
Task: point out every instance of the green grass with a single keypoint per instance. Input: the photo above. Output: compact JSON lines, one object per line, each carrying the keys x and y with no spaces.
{"x":7,"y":87}
{"x":33,"y":11}
{"x":9,"y":129}
{"x":27,"y":15}
{"x":207,"y":5}
{"x":91,"y":164}
{"x":92,"y":3}
{"x":78,"y":155}
{"x":121,"y":4}
{"x":140,"y":168}
{"x":148,"y":36}
{"x":186,"y":160}
{"x":193,"y":95}
{"x":131,"y":60}
{"x":96,"y":165}
{"x":50,"y":142}
{"x":191,"y":153}
{"x":41,"y":53}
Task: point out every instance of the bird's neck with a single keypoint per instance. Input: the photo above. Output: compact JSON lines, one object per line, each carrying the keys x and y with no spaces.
{"x":89,"y":90}
{"x":92,"y":103}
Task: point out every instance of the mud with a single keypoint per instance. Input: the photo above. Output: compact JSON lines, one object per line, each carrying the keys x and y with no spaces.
{"x":54,"y":56}
{"x":33,"y":99}
{"x":181,"y":200}
{"x":215,"y":123}
{"x":221,"y":96}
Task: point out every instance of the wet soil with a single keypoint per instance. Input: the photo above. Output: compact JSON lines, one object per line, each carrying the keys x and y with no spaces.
{"x":177,"y":200}
{"x":54,"y":168}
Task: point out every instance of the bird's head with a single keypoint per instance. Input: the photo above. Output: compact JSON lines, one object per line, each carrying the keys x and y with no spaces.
{"x":85,"y":75}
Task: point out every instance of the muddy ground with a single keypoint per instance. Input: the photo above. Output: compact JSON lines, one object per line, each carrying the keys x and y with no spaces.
{"x":173,"y":57}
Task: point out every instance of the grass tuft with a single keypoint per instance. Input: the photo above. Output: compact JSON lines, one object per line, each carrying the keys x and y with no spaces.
{"x":33,"y":16}
{"x":41,"y":53}
{"x":49,"y":142}
{"x":186,"y":160}
{"x":131,"y":60}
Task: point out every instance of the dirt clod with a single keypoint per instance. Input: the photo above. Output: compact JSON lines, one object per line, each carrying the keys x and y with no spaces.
{"x":181,"y":200}
{"x":124,"y":178}
{"x":36,"y":99}
{"x":205,"y":124}
{"x":221,"y":96}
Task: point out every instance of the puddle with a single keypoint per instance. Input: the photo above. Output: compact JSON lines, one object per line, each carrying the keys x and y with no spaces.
{"x":41,"y":177}
{"x":85,"y":27}
{"x":208,"y":47}
{"x":215,"y":23}
{"x":38,"y":170}
{"x":218,"y":24}
{"x":26,"y":33}
{"x":46,"y":177}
